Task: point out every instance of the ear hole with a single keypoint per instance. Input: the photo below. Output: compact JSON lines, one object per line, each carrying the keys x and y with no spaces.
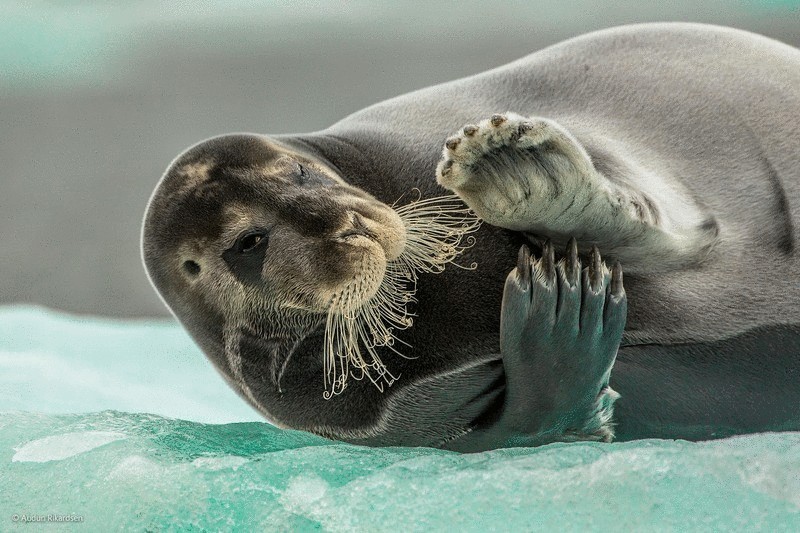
{"x":192,"y":268}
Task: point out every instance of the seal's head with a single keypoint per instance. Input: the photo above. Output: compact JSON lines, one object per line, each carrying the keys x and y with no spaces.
{"x":241,"y":221}
{"x":246,"y":235}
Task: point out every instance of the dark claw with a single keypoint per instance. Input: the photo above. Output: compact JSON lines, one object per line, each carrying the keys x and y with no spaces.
{"x":447,"y":166}
{"x":524,"y":265}
{"x":617,"y":290}
{"x":548,"y":262}
{"x":573,"y":269}
{"x":452,"y":143}
{"x":496,"y":120}
{"x":470,"y":130}
{"x":596,"y":270}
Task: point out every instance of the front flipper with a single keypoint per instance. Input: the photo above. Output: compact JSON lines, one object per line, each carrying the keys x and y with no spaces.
{"x":560,"y":330}
{"x":561,"y":326}
{"x":531,"y":174}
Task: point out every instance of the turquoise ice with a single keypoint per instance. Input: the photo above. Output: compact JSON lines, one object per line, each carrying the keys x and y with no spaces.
{"x":57,"y":363}
{"x":140,"y":467}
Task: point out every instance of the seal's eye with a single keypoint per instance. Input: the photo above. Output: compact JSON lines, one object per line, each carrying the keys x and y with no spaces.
{"x":247,"y":255}
{"x":309,"y":177}
{"x":250,"y":241}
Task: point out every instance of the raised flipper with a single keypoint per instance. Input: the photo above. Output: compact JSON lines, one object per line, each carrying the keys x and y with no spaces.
{"x":532,"y":175}
{"x":561,"y":327}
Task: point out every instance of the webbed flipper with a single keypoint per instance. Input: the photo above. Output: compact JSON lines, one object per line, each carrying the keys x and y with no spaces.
{"x":561,"y":327}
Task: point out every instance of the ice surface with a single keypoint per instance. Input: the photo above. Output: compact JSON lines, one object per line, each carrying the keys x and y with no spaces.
{"x":114,"y":470}
{"x":57,"y":363}
{"x":160,"y":472}
{"x":58,"y":447}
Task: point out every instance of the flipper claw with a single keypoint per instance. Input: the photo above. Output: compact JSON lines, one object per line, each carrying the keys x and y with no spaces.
{"x":573,"y":263}
{"x":617,"y":288}
{"x":596,"y":270}
{"x":548,"y":263}
{"x":524,"y":265}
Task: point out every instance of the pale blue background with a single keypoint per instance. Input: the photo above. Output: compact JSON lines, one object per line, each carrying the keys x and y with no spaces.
{"x":56,"y":363}
{"x":97,"y":97}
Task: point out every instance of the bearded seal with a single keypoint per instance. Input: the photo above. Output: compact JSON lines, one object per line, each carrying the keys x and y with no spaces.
{"x":672,"y":148}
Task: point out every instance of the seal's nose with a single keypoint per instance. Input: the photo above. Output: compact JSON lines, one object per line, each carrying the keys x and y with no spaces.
{"x":357,"y":226}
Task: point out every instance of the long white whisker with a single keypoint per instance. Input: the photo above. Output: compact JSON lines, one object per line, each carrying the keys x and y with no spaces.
{"x":435,"y":235}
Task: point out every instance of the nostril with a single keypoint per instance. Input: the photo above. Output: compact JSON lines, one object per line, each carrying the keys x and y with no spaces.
{"x":191,"y":267}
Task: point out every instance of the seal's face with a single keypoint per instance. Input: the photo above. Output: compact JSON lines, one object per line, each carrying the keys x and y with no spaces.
{"x":241,"y":222}
{"x":251,"y":242}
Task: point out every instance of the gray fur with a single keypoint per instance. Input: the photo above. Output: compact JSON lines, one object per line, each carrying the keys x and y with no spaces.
{"x":710,"y":115}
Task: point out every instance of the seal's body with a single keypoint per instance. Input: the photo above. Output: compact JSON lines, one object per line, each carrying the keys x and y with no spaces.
{"x":675,"y":148}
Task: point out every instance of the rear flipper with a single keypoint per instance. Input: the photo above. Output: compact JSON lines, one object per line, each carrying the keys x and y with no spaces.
{"x":560,"y":330}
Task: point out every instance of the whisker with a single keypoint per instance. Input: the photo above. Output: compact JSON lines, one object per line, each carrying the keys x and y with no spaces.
{"x":435,"y":235}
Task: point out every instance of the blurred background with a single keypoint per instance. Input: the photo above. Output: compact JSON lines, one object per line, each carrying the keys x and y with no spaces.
{"x":96,"y":98}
